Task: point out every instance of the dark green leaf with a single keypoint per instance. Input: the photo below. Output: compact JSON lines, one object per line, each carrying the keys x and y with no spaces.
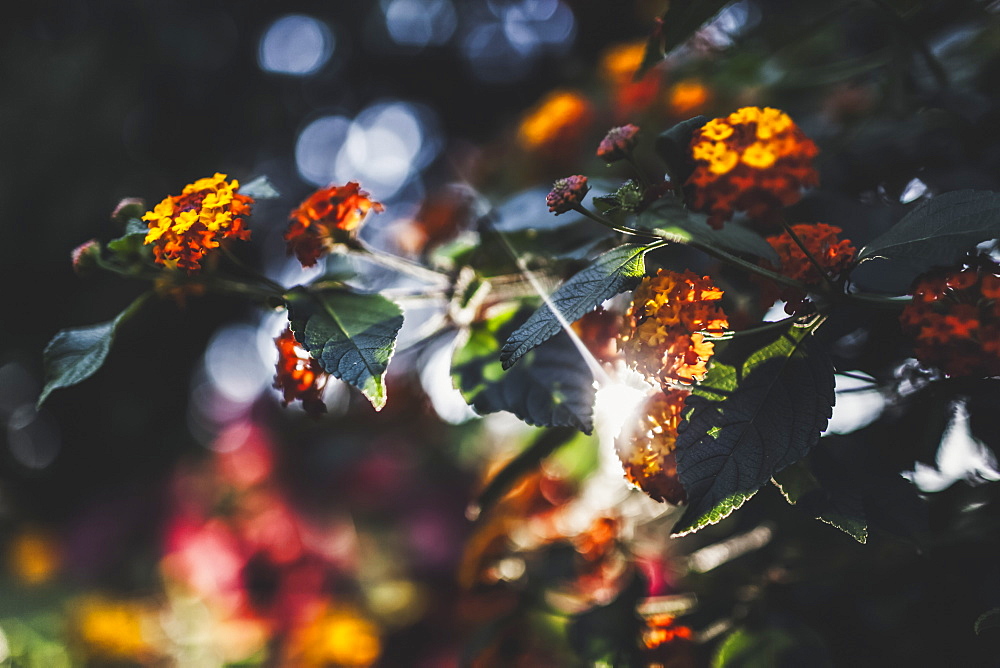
{"x":770,"y":646}
{"x":668,"y":218}
{"x":939,"y":231}
{"x":551,"y":387}
{"x":130,"y":245}
{"x":74,"y":355}
{"x":748,"y":420}
{"x":843,"y":509}
{"x":260,"y":188}
{"x":613,"y":272}
{"x":988,"y":620}
{"x":674,"y":148}
{"x":678,"y":23}
{"x":352,"y":335}
{"x":984,"y":418}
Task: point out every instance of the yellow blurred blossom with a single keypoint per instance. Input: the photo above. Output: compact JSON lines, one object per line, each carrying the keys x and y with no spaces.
{"x":337,"y":636}
{"x":114,"y":629}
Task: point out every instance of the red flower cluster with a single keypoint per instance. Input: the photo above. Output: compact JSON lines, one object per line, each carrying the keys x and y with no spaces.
{"x":618,"y":143}
{"x":298,"y":375}
{"x":567,"y":193}
{"x":647,"y":451}
{"x":328,"y":217}
{"x":662,"y":337}
{"x":754,"y":160}
{"x":955,"y":319}
{"x":823,"y":242}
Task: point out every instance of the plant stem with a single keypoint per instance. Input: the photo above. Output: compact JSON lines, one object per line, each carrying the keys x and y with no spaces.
{"x":815,"y":263}
{"x":398,"y":264}
{"x":725,"y":256}
{"x":763,"y":327}
{"x":879,"y":300}
{"x":252,"y":272}
{"x":643,"y":181}
{"x":607,"y":223}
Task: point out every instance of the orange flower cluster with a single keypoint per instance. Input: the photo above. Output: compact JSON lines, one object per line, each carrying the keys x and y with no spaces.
{"x":183,"y":228}
{"x":298,"y":375}
{"x":557,"y":124}
{"x":328,"y":217}
{"x":688,"y":97}
{"x":824,"y":244}
{"x":754,"y":160}
{"x":955,"y":319}
{"x":647,"y":450}
{"x":662,"y":337}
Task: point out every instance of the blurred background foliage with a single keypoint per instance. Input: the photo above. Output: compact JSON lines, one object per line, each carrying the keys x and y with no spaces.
{"x":170,"y":512}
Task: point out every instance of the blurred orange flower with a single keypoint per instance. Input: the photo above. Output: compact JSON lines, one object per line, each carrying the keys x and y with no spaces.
{"x":955,"y":319}
{"x":646,"y":449}
{"x":298,"y":375}
{"x":183,"y":228}
{"x":556,"y":124}
{"x":618,"y":66}
{"x":115,"y":630}
{"x":687,"y":97}
{"x":335,"y":637}
{"x":33,"y":556}
{"x":754,"y":160}
{"x":328,"y":217}
{"x":662,"y":337}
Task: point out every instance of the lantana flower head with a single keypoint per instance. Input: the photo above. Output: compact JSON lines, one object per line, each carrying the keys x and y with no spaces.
{"x":663,"y":335}
{"x":328,"y":217}
{"x":299,"y":376}
{"x":183,"y":228}
{"x":823,"y":241}
{"x":618,"y":143}
{"x":955,"y":319}
{"x":647,"y":449}
{"x":567,"y":193}
{"x":754,"y":160}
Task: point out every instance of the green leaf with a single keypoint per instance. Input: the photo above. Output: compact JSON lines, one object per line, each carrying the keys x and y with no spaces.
{"x":130,"y":245}
{"x":613,"y":272}
{"x":74,"y":355}
{"x":678,"y":23}
{"x":674,"y":148}
{"x":668,"y":218}
{"x":620,"y":204}
{"x":353,"y":335}
{"x":551,"y":387}
{"x":773,"y":645}
{"x":260,"y":188}
{"x":939,"y":231}
{"x":748,"y":420}
{"x":843,"y":509}
{"x":988,"y":620}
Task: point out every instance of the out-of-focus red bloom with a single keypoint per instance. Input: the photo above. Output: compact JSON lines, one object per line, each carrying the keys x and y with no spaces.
{"x":567,"y":193}
{"x":618,"y":143}
{"x":955,"y":319}
{"x":298,"y":375}
{"x":599,"y":331}
{"x":754,"y":160}
{"x":328,"y":217}
{"x":823,"y":241}
{"x":618,"y":66}
{"x":85,"y":256}
{"x":662,"y":335}
{"x":647,"y":449}
{"x":556,"y":126}
{"x":183,"y":228}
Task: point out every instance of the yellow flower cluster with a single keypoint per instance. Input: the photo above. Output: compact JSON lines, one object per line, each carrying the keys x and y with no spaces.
{"x":754,"y":160}
{"x":663,"y":329}
{"x":185,"y":227}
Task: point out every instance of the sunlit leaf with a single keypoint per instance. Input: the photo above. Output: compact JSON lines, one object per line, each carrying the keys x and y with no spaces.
{"x":843,"y":509}
{"x":353,"y":335}
{"x":551,"y":387}
{"x":749,"y":419}
{"x":988,"y":620}
{"x":613,"y":272}
{"x":938,"y":232}
{"x":74,"y":355}
{"x":668,"y":218}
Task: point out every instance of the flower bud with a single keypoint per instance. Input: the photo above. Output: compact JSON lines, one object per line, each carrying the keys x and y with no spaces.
{"x":130,"y":207}
{"x":567,"y":193}
{"x":618,"y":143}
{"x":85,"y":257}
